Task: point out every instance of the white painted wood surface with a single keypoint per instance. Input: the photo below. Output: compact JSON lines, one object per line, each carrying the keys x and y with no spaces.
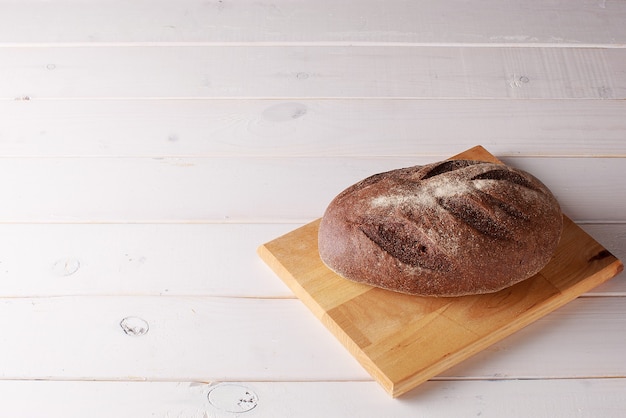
{"x":438,"y":398}
{"x":190,"y":71}
{"x":200,"y":338}
{"x":148,"y":148}
{"x":291,"y":128}
{"x":586,"y":22}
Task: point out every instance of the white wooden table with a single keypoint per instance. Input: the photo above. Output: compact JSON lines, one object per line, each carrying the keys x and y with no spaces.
{"x":148,"y":147}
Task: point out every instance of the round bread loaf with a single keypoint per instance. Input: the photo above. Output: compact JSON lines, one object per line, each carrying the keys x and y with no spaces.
{"x":451,"y":228}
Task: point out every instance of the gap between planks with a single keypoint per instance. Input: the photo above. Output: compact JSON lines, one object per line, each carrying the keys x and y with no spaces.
{"x":355,"y":44}
{"x":28,"y":98}
{"x":286,"y":380}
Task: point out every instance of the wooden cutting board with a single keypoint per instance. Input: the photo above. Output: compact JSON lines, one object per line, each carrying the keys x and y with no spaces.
{"x":404,"y":340}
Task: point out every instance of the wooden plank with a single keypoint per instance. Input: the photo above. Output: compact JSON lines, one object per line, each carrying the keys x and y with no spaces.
{"x":555,"y":398}
{"x":450,"y":21}
{"x":527,"y":348}
{"x":612,"y":237}
{"x":43,"y":260}
{"x":197,"y":338}
{"x":404,"y":340}
{"x":184,"y":338}
{"x":377,"y":127}
{"x":312,"y":72}
{"x":232,"y":189}
{"x":40,"y":260}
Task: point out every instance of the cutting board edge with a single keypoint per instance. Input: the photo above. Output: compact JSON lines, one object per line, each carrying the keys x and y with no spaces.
{"x":561,"y":298}
{"x":590,"y":282}
{"x":477,"y":152}
{"x":283,"y":273}
{"x":359,"y":354}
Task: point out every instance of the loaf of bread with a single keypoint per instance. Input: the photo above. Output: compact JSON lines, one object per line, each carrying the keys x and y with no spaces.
{"x":452,"y":228}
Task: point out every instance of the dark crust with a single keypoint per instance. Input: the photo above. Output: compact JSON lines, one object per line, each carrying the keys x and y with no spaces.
{"x":451,"y":228}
